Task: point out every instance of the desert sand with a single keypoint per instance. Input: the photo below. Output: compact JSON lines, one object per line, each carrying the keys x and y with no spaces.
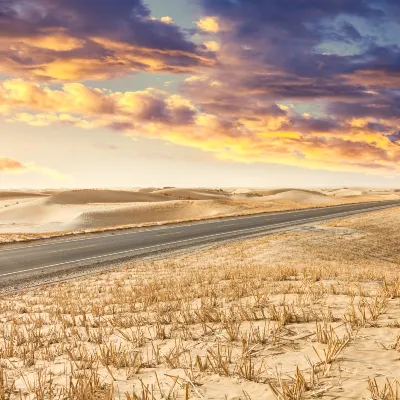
{"x":28,"y":214}
{"x":300,"y":315}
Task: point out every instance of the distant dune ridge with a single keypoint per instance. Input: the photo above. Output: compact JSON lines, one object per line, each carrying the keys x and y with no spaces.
{"x":8,"y":194}
{"x":193,"y":194}
{"x":37,"y":212}
{"x":105,"y":196}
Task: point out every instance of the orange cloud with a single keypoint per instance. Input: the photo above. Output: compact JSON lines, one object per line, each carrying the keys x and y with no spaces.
{"x":10,"y":165}
{"x":125,"y":59}
{"x":379,"y":78}
{"x":56,"y":39}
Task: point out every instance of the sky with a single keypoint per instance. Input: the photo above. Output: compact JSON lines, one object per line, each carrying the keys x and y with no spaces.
{"x":246,"y":93}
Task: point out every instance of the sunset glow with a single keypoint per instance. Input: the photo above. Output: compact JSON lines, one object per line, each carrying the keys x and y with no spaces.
{"x":214,"y":85}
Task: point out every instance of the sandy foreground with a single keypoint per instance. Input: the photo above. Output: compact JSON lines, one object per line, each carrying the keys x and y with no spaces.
{"x":306,"y":314}
{"x":26,"y":215}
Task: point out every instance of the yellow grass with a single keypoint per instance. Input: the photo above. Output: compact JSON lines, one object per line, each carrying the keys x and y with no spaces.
{"x":289,"y":316}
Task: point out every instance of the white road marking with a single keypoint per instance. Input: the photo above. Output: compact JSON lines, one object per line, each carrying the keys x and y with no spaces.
{"x":168,"y":234}
{"x":68,"y":249}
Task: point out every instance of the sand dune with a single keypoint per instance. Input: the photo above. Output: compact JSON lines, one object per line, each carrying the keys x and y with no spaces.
{"x":51,"y":214}
{"x":345,"y":192}
{"x":303,"y":196}
{"x":144,"y":213}
{"x":356,"y":191}
{"x":259,"y":192}
{"x":273,"y":192}
{"x":296,"y":195}
{"x":37,"y":212}
{"x":147,"y":190}
{"x":193,"y":194}
{"x":11,"y":194}
{"x":104,"y":196}
{"x":241,"y":191}
{"x":292,"y":193}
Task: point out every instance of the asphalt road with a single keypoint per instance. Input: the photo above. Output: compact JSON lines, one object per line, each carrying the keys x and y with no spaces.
{"x":40,"y":257}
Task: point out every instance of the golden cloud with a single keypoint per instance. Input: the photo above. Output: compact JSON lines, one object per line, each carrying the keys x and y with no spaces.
{"x":166,"y":19}
{"x":56,"y":39}
{"x":9,"y":165}
{"x":55,"y":55}
{"x":273,"y":138}
{"x":209,"y":24}
{"x":212,"y":45}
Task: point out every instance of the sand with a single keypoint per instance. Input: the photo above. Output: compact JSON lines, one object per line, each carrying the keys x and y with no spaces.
{"x":194,"y":194}
{"x":312,"y":314}
{"x":34,"y":214}
{"x":11,"y":194}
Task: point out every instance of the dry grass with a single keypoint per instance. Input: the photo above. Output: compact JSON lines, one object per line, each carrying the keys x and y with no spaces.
{"x":289,"y":316}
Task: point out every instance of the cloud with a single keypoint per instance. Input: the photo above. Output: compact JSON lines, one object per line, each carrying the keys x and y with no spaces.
{"x":49,"y":172}
{"x":77,"y":104}
{"x":279,"y":81}
{"x":260,"y":131}
{"x":166,"y":19}
{"x":395,"y":137}
{"x":283,"y":39}
{"x":70,"y":40}
{"x":9,"y":165}
{"x":209,"y":25}
{"x":375,"y":78}
{"x":212,"y":45}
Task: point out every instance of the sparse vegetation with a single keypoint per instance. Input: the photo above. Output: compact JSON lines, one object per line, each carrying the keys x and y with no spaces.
{"x":290,"y":316}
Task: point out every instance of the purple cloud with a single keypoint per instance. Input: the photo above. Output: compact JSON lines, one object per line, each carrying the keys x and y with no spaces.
{"x":91,"y":39}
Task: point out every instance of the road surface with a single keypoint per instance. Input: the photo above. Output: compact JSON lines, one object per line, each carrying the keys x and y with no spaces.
{"x":50,"y":256}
